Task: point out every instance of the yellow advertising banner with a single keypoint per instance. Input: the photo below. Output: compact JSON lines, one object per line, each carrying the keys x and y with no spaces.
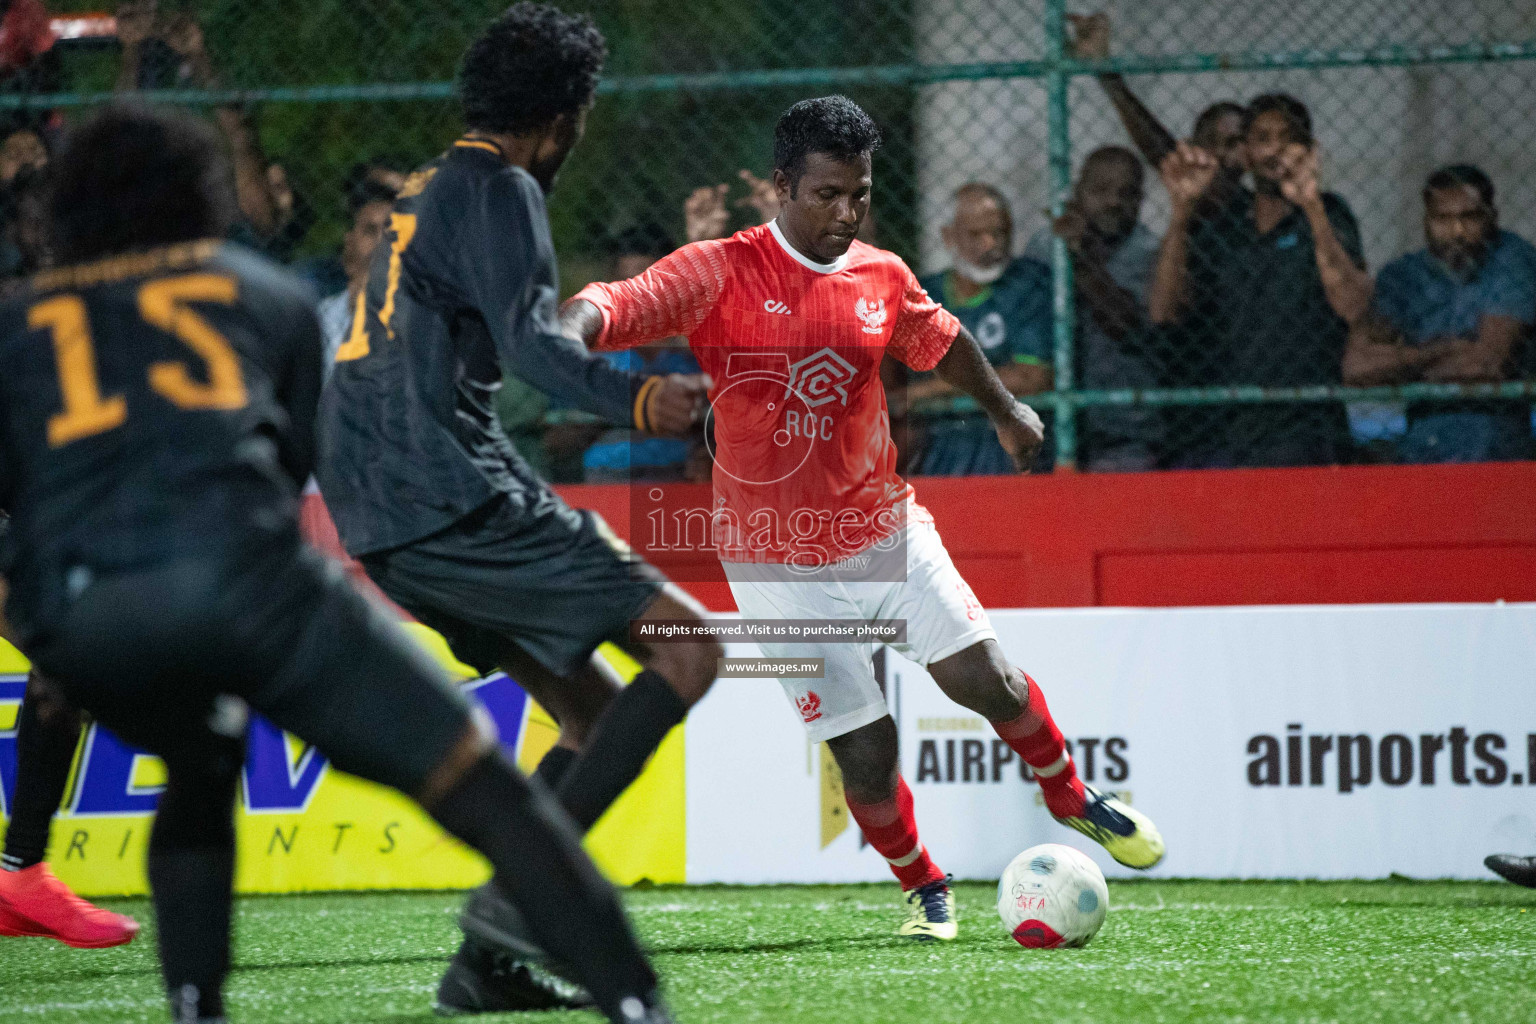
{"x":302,"y":826}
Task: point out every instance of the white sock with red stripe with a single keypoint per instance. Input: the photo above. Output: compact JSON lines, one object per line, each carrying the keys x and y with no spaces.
{"x":891,"y":828}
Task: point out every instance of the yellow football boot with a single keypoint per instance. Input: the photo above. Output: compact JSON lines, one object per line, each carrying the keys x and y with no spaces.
{"x":931,"y":913}
{"x":1128,"y":835}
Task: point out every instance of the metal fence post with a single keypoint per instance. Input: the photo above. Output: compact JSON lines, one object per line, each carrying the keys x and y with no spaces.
{"x":1057,"y":82}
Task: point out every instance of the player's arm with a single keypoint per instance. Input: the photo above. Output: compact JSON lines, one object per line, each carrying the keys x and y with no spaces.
{"x":298,"y":379}
{"x":1019,"y":430}
{"x":929,"y":337}
{"x":671,"y":298}
{"x":503,"y":255}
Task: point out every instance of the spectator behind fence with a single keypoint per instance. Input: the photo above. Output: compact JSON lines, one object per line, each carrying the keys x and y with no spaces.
{"x":1456,"y":312}
{"x":1280,"y":284}
{"x":1113,"y":254}
{"x":1190,"y":355}
{"x":23,"y":200}
{"x":369,"y":203}
{"x":620,"y":455}
{"x":168,"y":50}
{"x":1218,"y":129}
{"x":1006,"y":304}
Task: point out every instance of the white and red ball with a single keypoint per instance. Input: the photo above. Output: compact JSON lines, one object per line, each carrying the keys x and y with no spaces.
{"x":1051,"y":896}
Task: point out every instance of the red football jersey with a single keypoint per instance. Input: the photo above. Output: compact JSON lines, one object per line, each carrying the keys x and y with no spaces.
{"x":805,"y":468}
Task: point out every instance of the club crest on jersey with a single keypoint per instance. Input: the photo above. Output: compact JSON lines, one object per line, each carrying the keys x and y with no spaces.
{"x":810,"y":705}
{"x":872,"y":313}
{"x":821,"y":377}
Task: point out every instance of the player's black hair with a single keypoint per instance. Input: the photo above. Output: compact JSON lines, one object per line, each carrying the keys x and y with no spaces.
{"x":134,"y":178}
{"x":1457,"y":175}
{"x":833,"y":125}
{"x":528,"y":67}
{"x":649,"y":239}
{"x":1297,"y":118}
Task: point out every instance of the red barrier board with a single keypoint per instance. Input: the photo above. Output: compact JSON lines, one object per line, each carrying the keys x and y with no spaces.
{"x":1352,"y":534}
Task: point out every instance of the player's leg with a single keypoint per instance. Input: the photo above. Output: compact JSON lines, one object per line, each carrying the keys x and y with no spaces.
{"x":32,"y":899}
{"x":613,"y":752}
{"x":881,"y":803}
{"x":536,"y":598}
{"x":673,"y":678}
{"x":979,"y":678}
{"x":845,"y":708}
{"x":192,"y":859}
{"x":948,"y":631}
{"x":388,"y":714}
{"x":141,"y":665}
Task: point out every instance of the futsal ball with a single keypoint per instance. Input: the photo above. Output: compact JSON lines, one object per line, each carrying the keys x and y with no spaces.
{"x":1051,"y":896}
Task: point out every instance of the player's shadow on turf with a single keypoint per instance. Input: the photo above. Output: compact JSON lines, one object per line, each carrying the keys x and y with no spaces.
{"x":840,"y":942}
{"x":154,"y":968}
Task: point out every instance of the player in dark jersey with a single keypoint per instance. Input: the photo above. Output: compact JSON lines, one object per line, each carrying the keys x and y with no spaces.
{"x":155,"y":425}
{"x":425,"y":489}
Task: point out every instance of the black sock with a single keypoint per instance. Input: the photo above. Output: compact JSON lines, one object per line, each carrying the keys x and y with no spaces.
{"x":554,"y":766}
{"x":629,"y":731}
{"x":47,"y":732}
{"x":571,"y":909}
{"x":192,"y":911}
{"x":191,"y":871}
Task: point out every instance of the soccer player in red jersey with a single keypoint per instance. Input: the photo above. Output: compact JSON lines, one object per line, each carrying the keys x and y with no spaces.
{"x":790,"y":320}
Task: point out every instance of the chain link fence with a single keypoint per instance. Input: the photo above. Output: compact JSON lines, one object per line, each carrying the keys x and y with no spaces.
{"x":1277,"y":337}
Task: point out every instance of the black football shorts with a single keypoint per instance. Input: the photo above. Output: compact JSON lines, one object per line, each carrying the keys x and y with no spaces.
{"x":555,"y":586}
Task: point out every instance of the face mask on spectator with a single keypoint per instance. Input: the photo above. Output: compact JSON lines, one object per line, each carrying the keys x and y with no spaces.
{"x":971,"y":272}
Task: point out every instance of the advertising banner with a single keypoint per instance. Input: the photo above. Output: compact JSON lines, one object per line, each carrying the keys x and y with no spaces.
{"x":302,"y":826}
{"x":1267,"y":742}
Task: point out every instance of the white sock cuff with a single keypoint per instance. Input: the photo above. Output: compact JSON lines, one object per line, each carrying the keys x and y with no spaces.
{"x":1053,"y":769}
{"x":901,"y":862}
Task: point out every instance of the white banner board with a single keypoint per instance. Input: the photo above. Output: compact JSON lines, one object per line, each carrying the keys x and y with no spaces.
{"x":1279,"y":742}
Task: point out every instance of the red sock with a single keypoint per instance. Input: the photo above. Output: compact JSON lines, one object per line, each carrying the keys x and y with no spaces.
{"x":891,"y":828}
{"x":1035,"y":738}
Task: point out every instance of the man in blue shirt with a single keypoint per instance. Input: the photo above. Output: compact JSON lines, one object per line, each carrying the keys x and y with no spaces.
{"x":1006,"y":304}
{"x":1454,"y":312}
{"x":621,"y":455}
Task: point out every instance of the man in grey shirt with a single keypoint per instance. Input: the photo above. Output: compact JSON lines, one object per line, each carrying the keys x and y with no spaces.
{"x":1113,"y":255}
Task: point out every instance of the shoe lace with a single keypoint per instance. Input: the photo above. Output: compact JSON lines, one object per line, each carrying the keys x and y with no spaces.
{"x":929,"y":902}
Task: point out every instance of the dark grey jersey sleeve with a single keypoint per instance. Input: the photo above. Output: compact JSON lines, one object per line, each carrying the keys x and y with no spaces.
{"x":510,"y":266}
{"x":299,"y":392}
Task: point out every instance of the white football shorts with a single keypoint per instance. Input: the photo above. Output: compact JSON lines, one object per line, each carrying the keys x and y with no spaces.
{"x":942,"y":616}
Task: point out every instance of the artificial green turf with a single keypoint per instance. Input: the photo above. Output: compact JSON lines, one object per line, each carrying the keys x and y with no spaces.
{"x":1171,"y":951}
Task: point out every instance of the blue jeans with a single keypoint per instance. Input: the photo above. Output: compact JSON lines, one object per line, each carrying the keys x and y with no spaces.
{"x":1465,"y":437}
